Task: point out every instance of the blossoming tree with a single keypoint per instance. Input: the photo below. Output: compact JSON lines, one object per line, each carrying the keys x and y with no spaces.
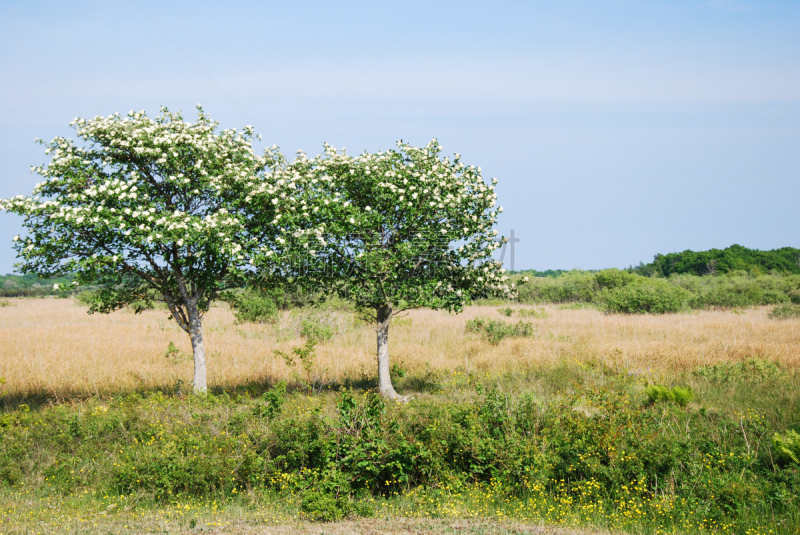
{"x":394,"y":231}
{"x":152,"y":204}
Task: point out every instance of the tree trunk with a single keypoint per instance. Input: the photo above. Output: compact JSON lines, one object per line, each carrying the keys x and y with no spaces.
{"x":199,"y":350}
{"x":384,"y":372}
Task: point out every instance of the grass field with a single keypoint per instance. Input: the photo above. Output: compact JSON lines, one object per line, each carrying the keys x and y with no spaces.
{"x":52,"y":347}
{"x":553,"y":432}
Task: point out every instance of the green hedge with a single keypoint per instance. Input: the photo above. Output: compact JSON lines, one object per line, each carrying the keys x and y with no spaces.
{"x":616,"y":290}
{"x":651,"y":296}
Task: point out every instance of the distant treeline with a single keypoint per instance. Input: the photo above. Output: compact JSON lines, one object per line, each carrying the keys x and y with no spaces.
{"x":722,"y":261}
{"x":719,"y":278}
{"x":29,"y":285}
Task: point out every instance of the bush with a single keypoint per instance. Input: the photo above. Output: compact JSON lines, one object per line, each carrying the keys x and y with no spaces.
{"x":85,"y":297}
{"x":253,"y":305}
{"x":737,"y":289}
{"x":785,"y":312}
{"x":316,"y":330}
{"x":323,"y":506}
{"x":495,"y":331}
{"x":613,"y":278}
{"x":506,"y":311}
{"x":572,"y":287}
{"x":329,"y":501}
{"x":649,"y":296}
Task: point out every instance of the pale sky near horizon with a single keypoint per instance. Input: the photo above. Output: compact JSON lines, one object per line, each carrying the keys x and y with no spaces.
{"x":616,"y":129}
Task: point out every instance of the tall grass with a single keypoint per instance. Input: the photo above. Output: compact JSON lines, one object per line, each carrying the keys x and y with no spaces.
{"x":52,"y":347}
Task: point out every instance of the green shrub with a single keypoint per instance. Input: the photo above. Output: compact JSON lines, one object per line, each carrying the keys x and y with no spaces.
{"x":273,"y":402}
{"x":785,"y":312}
{"x":252,"y":305}
{"x":649,"y":296}
{"x":787,"y":447}
{"x":495,"y":331}
{"x":316,"y":330}
{"x":613,"y":278}
{"x":737,"y":289}
{"x":506,"y":311}
{"x":662,"y":394}
{"x":5,"y":303}
{"x":572,"y":287}
{"x":322,"y":506}
{"x":475,"y":325}
{"x":331,"y":498}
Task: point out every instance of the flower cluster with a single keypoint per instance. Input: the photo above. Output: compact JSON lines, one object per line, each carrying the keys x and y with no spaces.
{"x":406,"y":225}
{"x":145,"y":195}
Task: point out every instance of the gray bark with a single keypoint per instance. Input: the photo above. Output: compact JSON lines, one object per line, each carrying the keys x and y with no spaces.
{"x":384,"y":371}
{"x":199,"y":350}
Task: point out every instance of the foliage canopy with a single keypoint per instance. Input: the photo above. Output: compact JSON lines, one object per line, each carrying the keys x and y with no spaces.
{"x":150,"y":204}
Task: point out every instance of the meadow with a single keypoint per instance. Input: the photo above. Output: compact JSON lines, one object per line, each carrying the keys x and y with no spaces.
{"x":51,"y":347}
{"x":566,"y":421}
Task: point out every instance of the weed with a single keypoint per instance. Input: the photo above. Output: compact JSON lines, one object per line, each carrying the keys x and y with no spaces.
{"x":5,"y":303}
{"x":506,"y":311}
{"x":175,"y":355}
{"x":677,"y":395}
{"x":303,"y":359}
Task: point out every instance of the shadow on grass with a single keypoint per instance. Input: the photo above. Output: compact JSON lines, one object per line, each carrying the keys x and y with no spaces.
{"x":35,"y":400}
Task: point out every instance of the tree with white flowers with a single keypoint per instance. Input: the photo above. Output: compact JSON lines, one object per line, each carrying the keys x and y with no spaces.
{"x":153,"y":204}
{"x":393,"y":231}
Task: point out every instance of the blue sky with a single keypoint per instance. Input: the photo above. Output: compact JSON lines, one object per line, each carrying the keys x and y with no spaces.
{"x":616,"y":129}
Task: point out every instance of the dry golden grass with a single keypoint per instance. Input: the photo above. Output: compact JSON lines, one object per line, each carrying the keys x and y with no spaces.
{"x":52,"y":345}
